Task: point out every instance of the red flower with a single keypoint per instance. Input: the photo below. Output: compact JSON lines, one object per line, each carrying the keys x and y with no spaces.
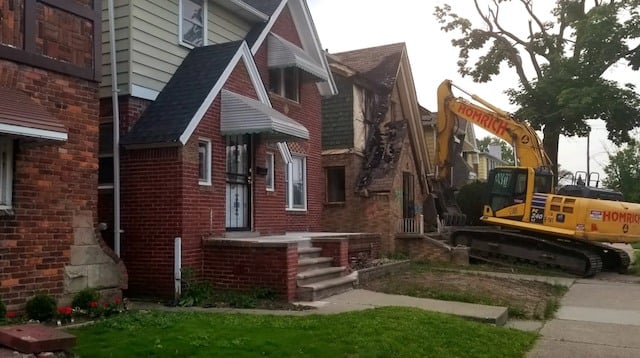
{"x":65,"y":310}
{"x":94,"y":304}
{"x":118,"y":300}
{"x":11,"y":314}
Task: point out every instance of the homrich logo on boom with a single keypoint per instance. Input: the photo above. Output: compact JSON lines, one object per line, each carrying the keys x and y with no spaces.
{"x":492,"y":123}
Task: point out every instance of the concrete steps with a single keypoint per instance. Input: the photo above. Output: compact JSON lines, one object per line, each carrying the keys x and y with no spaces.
{"x":317,"y":277}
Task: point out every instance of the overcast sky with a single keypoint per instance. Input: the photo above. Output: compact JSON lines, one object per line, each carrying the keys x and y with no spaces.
{"x":345,"y":25}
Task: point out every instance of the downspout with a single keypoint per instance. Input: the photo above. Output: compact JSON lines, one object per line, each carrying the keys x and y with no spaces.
{"x":116,"y":132}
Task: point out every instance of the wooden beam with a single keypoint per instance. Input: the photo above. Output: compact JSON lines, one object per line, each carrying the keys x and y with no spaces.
{"x":37,"y":60}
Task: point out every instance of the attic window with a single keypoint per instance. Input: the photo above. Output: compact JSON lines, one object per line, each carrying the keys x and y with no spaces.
{"x":285,"y":82}
{"x":193,"y":23}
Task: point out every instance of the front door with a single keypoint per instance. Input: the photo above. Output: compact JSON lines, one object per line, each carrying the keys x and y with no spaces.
{"x":238,"y":190}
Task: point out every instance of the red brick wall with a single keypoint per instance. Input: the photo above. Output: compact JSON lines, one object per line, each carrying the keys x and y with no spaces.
{"x":152,"y":213}
{"x":285,"y":28}
{"x":51,"y":182}
{"x":244,"y":266}
{"x":337,"y":248}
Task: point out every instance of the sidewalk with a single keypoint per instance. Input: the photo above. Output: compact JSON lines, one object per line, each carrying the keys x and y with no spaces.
{"x":596,"y":319}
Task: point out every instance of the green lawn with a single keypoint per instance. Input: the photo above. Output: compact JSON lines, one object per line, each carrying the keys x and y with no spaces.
{"x":382,"y":332}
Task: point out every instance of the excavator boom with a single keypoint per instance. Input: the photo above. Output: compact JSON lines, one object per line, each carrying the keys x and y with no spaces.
{"x":527,"y":147}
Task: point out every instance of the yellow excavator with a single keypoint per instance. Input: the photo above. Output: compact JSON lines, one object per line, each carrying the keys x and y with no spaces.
{"x":527,"y":219}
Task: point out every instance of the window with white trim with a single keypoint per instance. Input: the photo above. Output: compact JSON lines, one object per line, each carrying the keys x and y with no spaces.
{"x":296,"y":183}
{"x":193,"y":22}
{"x":270,"y":175}
{"x":285,"y":82}
{"x":204,"y":162}
{"x":6,"y":172}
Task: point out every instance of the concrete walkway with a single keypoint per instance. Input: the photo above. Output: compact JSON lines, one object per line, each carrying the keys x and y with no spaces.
{"x":597,"y":318}
{"x":363,"y":299}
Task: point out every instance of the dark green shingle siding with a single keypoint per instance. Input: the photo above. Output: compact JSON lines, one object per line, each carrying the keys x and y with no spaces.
{"x":337,"y":117}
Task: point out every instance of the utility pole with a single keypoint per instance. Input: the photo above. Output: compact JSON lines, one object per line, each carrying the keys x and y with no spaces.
{"x":588,"y":178}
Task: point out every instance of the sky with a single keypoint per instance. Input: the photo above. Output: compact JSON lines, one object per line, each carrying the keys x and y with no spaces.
{"x":345,"y":25}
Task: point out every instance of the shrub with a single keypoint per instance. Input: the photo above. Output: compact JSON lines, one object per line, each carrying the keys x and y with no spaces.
{"x":470,"y":199}
{"x":41,"y":307}
{"x":194,"y":292}
{"x":84,"y":298}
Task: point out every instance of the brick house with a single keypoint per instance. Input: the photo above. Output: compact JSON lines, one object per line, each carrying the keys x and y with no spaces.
{"x":220,"y":120}
{"x":374,"y":154}
{"x":49,"y":74}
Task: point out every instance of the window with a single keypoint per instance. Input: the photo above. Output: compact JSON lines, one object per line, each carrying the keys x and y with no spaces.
{"x":335,"y":185}
{"x":204,"y":162}
{"x":269,"y":165}
{"x":105,"y":156}
{"x":296,"y":183}
{"x":285,"y":82}
{"x":193,"y":22}
{"x":6,"y":172}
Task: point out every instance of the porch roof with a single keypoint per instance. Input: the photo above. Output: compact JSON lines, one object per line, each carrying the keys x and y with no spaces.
{"x":241,"y":115}
{"x":23,"y":117}
{"x":283,"y":53}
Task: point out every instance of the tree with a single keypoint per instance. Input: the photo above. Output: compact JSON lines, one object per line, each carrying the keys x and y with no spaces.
{"x":505,"y":149}
{"x":623,"y":173}
{"x":567,"y":57}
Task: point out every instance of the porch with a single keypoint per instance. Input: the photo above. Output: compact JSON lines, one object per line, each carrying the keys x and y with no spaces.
{"x":303,"y":266}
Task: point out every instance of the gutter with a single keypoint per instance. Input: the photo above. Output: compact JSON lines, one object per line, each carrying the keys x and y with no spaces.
{"x":116,"y":131}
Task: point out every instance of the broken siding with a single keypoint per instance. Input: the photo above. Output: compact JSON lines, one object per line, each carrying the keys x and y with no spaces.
{"x":359,"y":118}
{"x":337,"y":117}
{"x":121,"y":25}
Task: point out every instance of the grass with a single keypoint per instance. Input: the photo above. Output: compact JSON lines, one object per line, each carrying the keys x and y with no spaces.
{"x":381,"y":332}
{"x":416,"y":289}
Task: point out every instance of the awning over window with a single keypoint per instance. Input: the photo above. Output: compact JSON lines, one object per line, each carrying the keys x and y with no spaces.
{"x":21,"y":116}
{"x":241,"y":115}
{"x":282,"y":54}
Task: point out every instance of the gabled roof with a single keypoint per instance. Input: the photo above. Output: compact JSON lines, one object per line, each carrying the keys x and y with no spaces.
{"x":379,"y":64}
{"x":387,"y":67}
{"x":167,"y":118}
{"x":306,"y":29}
{"x":179,"y":108}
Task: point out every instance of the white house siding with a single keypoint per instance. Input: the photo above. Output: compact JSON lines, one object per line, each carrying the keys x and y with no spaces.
{"x":151,"y":51}
{"x":122,"y":22}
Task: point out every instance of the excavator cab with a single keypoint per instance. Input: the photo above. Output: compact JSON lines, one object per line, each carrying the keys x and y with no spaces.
{"x":509,"y":186}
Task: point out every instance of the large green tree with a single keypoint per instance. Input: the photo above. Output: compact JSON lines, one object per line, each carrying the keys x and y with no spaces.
{"x":623,"y":173}
{"x":560,"y":62}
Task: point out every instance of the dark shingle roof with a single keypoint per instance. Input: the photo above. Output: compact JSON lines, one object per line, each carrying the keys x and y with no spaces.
{"x":165,"y":119}
{"x":267,"y":7}
{"x":378,"y":64}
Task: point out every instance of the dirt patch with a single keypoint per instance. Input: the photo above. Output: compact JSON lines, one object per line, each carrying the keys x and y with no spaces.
{"x":525,"y":299}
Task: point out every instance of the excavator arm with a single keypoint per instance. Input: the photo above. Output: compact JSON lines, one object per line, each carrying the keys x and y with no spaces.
{"x":527,"y":147}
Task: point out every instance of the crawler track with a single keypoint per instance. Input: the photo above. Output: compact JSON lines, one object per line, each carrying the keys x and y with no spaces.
{"x":582,"y":258}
